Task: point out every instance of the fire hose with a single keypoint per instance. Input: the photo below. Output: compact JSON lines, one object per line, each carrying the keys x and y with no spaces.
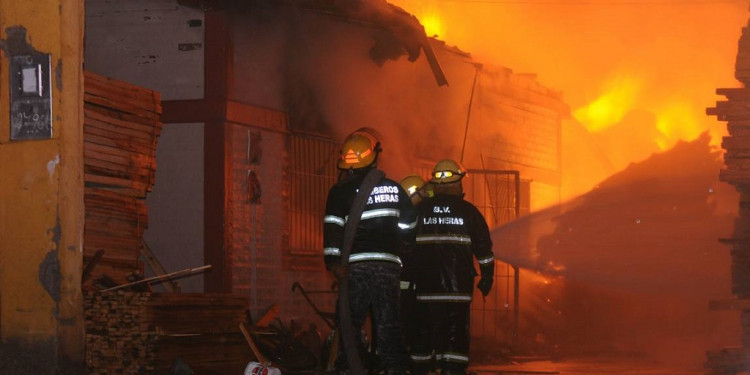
{"x":350,"y":228}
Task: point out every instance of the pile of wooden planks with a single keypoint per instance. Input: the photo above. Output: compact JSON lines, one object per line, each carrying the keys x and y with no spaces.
{"x":134,"y":333}
{"x":742,"y":63}
{"x":118,"y":341}
{"x":736,"y":111}
{"x":121,"y":128}
{"x":202,"y":329}
{"x":728,"y":361}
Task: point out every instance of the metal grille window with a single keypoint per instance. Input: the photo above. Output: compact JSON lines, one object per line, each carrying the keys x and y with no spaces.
{"x":496,"y":193}
{"x":312,"y":171}
{"x":501,"y":196}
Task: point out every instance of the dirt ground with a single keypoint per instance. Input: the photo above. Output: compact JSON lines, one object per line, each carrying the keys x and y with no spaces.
{"x":583,"y":367}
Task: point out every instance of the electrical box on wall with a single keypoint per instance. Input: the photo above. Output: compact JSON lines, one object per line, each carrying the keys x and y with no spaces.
{"x":30,"y":97}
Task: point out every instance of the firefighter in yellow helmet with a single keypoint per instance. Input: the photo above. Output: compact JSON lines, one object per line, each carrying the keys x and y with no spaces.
{"x":359,"y":150}
{"x":447,"y":171}
{"x":417,"y":188}
{"x":451,"y":233}
{"x":376,"y":212}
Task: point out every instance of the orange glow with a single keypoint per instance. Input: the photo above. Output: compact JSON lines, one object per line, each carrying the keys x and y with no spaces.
{"x":538,"y":278}
{"x":431,"y":22}
{"x":677,"y":121}
{"x":610,"y":107}
{"x":637,"y":75}
{"x":578,"y":49}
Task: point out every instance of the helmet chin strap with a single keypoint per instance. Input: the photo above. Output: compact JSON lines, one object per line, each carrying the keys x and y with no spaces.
{"x":347,"y":174}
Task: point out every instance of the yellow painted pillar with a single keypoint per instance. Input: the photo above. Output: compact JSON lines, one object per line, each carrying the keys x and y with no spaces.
{"x":41,"y":198}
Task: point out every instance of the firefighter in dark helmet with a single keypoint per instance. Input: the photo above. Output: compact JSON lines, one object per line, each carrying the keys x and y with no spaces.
{"x":451,"y":232}
{"x":384,"y":233}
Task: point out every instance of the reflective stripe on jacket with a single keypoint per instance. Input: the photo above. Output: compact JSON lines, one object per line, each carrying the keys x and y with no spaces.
{"x":386,"y":229}
{"x":451,"y":232}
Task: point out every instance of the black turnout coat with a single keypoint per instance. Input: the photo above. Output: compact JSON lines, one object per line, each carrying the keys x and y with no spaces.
{"x":451,"y":232}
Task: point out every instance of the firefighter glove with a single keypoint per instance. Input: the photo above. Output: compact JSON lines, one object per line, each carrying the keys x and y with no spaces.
{"x":484,"y":285}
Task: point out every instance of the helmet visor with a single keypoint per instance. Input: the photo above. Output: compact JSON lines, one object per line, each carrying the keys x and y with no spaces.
{"x":443,"y":174}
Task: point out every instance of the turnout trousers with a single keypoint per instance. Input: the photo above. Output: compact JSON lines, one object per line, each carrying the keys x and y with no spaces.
{"x":374,"y":289}
{"x":443,"y":339}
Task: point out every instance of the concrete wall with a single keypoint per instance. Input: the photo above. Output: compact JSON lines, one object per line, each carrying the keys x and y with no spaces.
{"x":159,"y":45}
{"x":175,"y":205}
{"x":41,"y":199}
{"x":151,"y":43}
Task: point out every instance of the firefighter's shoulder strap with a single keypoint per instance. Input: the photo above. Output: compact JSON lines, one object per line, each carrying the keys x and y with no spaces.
{"x":372,"y":178}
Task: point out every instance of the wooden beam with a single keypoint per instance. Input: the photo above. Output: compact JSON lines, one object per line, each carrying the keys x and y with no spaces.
{"x":157,"y":267}
{"x":250,"y":115}
{"x":181,"y":273}
{"x":216,"y":172}
{"x":731,"y":304}
{"x":254,"y":348}
{"x":192,"y":111}
{"x":218,"y":55}
{"x":217,"y":75}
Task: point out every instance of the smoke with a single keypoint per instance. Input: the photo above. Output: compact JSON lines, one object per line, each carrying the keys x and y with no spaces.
{"x":334,"y":86}
{"x":652,"y":66}
{"x":590,"y":157}
{"x":634,"y":262}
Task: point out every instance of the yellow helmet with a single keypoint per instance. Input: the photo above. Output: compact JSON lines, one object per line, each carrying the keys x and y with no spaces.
{"x":412,"y":183}
{"x":447,"y":171}
{"x":360,"y":149}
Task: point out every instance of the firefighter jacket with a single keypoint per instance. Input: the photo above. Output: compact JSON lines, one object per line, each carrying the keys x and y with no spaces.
{"x":451,"y":232}
{"x":386,"y":229}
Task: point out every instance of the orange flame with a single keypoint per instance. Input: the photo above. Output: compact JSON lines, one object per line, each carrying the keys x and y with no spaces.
{"x":431,"y":22}
{"x":610,"y":107}
{"x":675,"y":121}
{"x":639,"y":85}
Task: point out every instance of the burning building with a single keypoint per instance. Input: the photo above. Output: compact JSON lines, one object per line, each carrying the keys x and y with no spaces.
{"x":247,"y":103}
{"x":258,"y":109}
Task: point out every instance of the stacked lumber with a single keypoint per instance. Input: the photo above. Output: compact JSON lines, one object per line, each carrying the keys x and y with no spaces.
{"x":728,"y":360}
{"x":121,"y":128}
{"x":736,"y":112}
{"x":201,"y":329}
{"x":117,"y":340}
{"x":135,"y":333}
{"x":742,"y":64}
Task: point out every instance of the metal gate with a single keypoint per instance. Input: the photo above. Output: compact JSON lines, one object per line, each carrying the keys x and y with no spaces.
{"x":497,"y":195}
{"x":312,"y":171}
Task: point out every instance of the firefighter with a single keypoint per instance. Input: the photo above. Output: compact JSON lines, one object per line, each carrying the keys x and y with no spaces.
{"x":417,"y":188}
{"x":451,"y":232}
{"x":384,"y":233}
